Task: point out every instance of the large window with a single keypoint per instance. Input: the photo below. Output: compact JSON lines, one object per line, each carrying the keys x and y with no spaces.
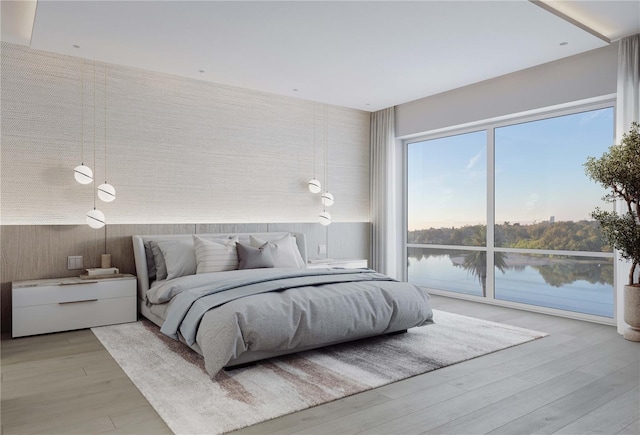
{"x":503,"y":213}
{"x":446,"y":205}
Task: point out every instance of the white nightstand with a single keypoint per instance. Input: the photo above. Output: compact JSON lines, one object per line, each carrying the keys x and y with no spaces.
{"x":62,"y":304}
{"x":348,"y":263}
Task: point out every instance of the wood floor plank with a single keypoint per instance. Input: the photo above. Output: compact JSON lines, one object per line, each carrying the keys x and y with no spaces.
{"x":427,"y":417}
{"x":612,"y":417}
{"x":520,"y":368}
{"x":94,"y":360}
{"x":148,"y":427}
{"x":36,"y":388}
{"x":318,"y":414}
{"x":133,"y":417}
{"x":606,"y":366}
{"x":567,"y":363}
{"x":559,"y":413}
{"x":632,"y":429}
{"x":522,"y":403}
{"x":359,"y":421}
{"x":67,"y":424}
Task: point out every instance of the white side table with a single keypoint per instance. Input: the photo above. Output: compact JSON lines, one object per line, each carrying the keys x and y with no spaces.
{"x":357,"y":263}
{"x":63,"y":304}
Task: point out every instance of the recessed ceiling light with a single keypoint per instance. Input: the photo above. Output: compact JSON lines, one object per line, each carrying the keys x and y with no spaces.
{"x":564,"y":43}
{"x":75,"y":46}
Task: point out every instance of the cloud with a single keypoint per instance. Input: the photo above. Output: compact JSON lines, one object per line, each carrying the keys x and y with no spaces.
{"x":588,"y":116}
{"x":473,"y":161}
{"x":532,"y":201}
{"x":445,"y":198}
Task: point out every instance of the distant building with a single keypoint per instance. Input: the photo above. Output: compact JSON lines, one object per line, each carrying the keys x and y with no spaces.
{"x":552,"y":219}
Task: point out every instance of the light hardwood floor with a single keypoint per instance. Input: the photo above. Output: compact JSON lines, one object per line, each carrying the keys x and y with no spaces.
{"x":583,"y":378}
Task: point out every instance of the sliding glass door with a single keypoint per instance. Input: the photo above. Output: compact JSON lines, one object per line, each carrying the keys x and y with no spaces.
{"x":503,"y":213}
{"x":447,"y":213}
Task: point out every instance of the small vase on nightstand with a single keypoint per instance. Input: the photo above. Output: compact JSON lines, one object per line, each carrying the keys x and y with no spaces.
{"x":105,"y":261}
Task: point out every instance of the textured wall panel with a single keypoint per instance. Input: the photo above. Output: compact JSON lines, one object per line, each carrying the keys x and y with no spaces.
{"x":179,"y":150}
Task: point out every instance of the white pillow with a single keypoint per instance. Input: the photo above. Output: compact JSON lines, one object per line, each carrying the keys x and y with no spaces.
{"x":179,"y":257}
{"x":215,"y":255}
{"x":284,"y":251}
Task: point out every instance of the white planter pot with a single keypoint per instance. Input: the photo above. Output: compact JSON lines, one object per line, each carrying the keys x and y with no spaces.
{"x":632,"y":312}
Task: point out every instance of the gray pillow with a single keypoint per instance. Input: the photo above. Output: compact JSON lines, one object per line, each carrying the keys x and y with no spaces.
{"x":158,"y":258}
{"x":179,"y":257}
{"x":254,"y":258}
{"x":151,"y":264}
{"x":284,"y":251}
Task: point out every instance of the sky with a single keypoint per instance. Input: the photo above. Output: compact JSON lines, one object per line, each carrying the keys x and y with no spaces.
{"x":539,"y":173}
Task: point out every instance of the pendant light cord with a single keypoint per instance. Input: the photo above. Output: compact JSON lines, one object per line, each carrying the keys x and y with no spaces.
{"x":314,"y":141}
{"x":105,"y":123}
{"x":326,"y":172}
{"x":326,"y":149}
{"x":82,"y":112}
{"x":94,"y":132}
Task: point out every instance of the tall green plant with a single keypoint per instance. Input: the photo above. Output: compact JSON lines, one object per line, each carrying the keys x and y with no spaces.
{"x":619,"y":171}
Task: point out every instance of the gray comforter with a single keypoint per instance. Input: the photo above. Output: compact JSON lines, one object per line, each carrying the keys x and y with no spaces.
{"x":226,"y":314}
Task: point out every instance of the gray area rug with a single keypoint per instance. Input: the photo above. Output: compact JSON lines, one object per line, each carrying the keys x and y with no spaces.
{"x":173,"y":379}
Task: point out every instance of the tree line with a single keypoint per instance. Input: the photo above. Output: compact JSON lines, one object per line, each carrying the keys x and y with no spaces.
{"x":581,"y":235}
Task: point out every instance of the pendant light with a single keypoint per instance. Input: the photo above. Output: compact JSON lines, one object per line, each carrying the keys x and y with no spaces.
{"x":106,"y":192}
{"x":83,"y":174}
{"x":314,"y":183}
{"x":324,"y":218}
{"x":315,"y":186}
{"x":95,"y":218}
{"x":327,"y":199}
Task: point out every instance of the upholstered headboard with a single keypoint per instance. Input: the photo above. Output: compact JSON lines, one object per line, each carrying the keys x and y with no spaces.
{"x":140,"y":255}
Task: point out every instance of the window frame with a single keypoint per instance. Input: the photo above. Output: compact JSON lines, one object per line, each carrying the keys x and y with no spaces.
{"x":489,"y":126}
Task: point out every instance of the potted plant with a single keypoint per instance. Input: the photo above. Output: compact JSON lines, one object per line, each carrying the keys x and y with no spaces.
{"x":619,"y":171}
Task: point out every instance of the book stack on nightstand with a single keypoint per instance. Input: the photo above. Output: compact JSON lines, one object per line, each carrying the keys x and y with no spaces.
{"x":62,"y":304}
{"x":337,"y":264}
{"x":102,"y":273}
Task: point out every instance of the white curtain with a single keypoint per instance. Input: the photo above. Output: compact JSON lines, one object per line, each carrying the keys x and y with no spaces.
{"x":382,"y":188}
{"x":627,"y":111}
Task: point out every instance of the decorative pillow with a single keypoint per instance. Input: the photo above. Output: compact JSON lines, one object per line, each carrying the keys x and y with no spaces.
{"x":179,"y":257}
{"x":151,"y":264}
{"x":284,"y":251}
{"x":254,"y":258}
{"x":158,"y":259}
{"x":215,"y":255}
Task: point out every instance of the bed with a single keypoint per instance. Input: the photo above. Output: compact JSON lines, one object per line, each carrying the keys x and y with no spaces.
{"x":239,"y":298}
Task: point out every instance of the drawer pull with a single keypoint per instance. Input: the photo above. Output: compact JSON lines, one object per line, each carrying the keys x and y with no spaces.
{"x":78,"y":283}
{"x":77,"y":302}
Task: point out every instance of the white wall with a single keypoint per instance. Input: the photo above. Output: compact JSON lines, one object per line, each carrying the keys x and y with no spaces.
{"x":580,"y":77}
{"x":179,"y":150}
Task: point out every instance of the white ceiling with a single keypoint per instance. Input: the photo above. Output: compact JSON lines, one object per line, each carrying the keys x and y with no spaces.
{"x":362,"y":54}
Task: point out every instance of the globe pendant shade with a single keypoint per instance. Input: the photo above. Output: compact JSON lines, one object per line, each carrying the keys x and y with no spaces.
{"x":106,"y":192}
{"x":83,"y":174}
{"x":324,"y":218}
{"x":95,"y":219}
{"x":314,"y":186}
{"x":327,"y":199}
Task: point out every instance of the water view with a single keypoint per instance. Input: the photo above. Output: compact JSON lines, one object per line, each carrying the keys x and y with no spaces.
{"x":578,"y":284}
